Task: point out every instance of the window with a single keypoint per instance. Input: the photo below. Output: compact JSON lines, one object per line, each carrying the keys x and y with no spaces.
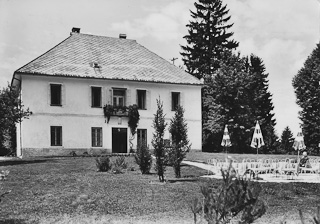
{"x":95,"y":96}
{"x":96,"y":134}
{"x":141,"y":99}
{"x":175,"y":100}
{"x":56,"y":135}
{"x":141,"y":136}
{"x":55,"y":92}
{"x":119,"y":97}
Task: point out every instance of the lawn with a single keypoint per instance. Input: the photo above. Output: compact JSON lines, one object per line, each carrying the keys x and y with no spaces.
{"x":69,"y":190}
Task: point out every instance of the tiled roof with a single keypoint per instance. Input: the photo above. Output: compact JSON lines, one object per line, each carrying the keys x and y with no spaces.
{"x":116,"y":58}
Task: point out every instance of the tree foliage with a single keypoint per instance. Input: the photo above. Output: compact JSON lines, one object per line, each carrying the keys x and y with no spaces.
{"x":235,"y":88}
{"x":287,"y":140}
{"x":143,"y":157}
{"x":238,"y":96}
{"x":11,"y":112}
{"x":159,"y":126}
{"x":306,"y":84}
{"x":207,"y":37}
{"x":180,"y":143}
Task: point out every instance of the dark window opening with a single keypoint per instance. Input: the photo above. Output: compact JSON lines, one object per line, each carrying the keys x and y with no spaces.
{"x":175,"y":100}
{"x":96,"y":134}
{"x":96,"y":96}
{"x":55,"y":90}
{"x":141,"y":99}
{"x":56,"y":135}
{"x":141,"y":136}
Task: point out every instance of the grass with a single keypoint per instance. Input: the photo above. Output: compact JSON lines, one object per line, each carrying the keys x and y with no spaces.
{"x":69,"y":190}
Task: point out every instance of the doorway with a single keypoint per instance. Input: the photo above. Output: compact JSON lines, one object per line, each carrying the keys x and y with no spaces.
{"x":119,"y":140}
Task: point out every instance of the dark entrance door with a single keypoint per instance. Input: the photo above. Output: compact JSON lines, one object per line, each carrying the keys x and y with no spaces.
{"x":119,"y":140}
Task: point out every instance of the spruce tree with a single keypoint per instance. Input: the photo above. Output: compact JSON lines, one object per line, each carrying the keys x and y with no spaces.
{"x":287,"y":140}
{"x":261,"y":101}
{"x":159,"y":126}
{"x":180,"y":143}
{"x":307,"y":89}
{"x":207,"y":37}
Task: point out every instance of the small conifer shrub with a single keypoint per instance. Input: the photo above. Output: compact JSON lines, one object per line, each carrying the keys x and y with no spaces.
{"x":103,"y":164}
{"x":143,"y":157}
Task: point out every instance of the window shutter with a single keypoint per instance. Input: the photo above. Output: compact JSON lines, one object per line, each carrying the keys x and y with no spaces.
{"x":110,"y":98}
{"x":182,"y":99}
{"x":128,"y":97}
{"x":148,"y":100}
{"x":92,"y":137}
{"x":63,"y":95}
{"x":170,"y":101}
{"x":49,"y":94}
{"x":105,"y":97}
{"x":90,"y":96}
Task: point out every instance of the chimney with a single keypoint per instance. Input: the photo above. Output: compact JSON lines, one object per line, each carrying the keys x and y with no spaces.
{"x":75,"y":30}
{"x":122,"y":36}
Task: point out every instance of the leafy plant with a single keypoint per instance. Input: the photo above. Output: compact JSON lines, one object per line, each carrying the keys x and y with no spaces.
{"x":159,"y":126}
{"x":11,"y":112}
{"x":108,"y":111}
{"x":120,"y":162}
{"x":143,"y":157}
{"x":134,"y":117}
{"x":315,"y":219}
{"x":103,"y":164}
{"x":236,"y":196}
{"x":195,"y":206}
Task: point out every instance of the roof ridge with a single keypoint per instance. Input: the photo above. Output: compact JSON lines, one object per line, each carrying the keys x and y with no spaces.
{"x":117,"y":38}
{"x":42,"y":54}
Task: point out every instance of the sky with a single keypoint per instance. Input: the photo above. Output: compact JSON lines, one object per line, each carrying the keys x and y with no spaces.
{"x":281,"y":32}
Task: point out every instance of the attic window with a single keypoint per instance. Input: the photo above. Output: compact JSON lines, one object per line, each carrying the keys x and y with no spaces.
{"x":95,"y":65}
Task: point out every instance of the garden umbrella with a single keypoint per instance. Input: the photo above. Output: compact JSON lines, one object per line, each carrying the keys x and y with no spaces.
{"x":257,"y":139}
{"x":226,"y":138}
{"x":299,"y":143}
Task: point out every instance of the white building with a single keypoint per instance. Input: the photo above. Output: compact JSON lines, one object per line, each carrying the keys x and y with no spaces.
{"x":67,"y":87}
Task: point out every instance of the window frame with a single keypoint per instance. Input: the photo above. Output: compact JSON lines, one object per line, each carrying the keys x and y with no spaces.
{"x":118,"y":97}
{"x":52,"y":95}
{"x":142,"y":131}
{"x":173,"y":103}
{"x":93,"y":101}
{"x":144,"y":100}
{"x":96,"y":135}
{"x":54,"y":139}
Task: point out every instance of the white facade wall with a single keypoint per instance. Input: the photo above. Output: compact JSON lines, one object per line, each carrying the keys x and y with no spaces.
{"x":76,"y":116}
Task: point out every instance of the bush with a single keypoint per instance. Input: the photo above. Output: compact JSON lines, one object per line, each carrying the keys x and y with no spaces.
{"x":103,"y":164}
{"x":119,"y":165}
{"x":143,"y":157}
{"x":235,"y":197}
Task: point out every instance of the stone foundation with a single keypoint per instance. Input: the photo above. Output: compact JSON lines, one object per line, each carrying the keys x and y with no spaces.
{"x":35,"y":152}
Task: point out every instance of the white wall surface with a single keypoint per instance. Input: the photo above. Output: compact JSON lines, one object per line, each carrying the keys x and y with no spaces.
{"x":76,"y":116}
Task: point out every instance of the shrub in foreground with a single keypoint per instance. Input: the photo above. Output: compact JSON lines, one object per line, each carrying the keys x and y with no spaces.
{"x":119,"y":165}
{"x":235,"y":197}
{"x":143,"y":157}
{"x":103,"y":164}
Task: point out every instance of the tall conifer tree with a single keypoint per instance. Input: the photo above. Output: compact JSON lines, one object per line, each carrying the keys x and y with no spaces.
{"x":287,"y":140}
{"x":261,"y":101}
{"x":307,"y":89}
{"x":208,"y":37}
